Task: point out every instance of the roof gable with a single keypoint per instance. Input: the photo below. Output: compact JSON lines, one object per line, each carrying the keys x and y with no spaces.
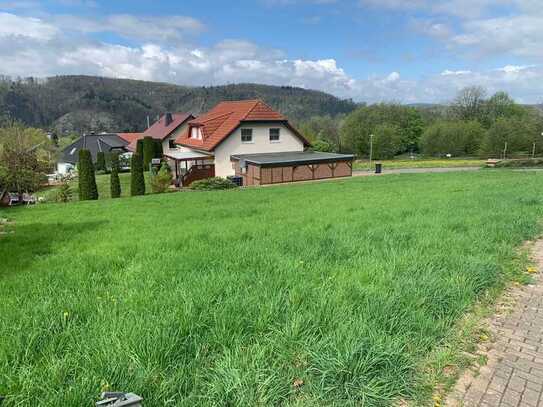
{"x":159,"y":130}
{"x":223,"y":119}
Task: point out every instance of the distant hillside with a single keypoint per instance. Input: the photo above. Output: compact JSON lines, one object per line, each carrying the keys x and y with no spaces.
{"x":83,"y":103}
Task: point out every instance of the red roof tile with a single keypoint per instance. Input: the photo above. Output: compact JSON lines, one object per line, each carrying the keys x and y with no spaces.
{"x":160,"y":131}
{"x":223,"y":119}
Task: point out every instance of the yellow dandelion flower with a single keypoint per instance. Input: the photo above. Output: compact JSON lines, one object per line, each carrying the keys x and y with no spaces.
{"x":531,"y":270}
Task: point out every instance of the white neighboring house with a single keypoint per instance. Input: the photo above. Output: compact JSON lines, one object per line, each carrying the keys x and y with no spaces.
{"x":230,"y":128}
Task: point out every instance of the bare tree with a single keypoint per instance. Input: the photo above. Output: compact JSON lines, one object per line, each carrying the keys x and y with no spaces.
{"x":469,"y":104}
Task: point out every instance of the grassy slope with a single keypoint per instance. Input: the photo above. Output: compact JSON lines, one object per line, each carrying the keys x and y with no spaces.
{"x":228,"y":297}
{"x":422,"y":163}
{"x":103,"y":183}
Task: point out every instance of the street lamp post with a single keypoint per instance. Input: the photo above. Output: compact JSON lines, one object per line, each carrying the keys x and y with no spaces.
{"x":371,"y":148}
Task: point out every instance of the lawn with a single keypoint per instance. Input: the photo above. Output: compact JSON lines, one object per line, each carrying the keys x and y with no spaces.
{"x":330,"y":293}
{"x":422,"y":163}
{"x":104,"y":187}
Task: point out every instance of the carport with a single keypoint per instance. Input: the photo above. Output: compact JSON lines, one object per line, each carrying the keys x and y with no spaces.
{"x":275,"y":168}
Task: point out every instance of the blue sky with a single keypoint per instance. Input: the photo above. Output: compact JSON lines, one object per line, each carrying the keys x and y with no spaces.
{"x":368,"y":50}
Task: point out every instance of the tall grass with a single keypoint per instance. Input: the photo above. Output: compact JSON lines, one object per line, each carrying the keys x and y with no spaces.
{"x":315,"y":294}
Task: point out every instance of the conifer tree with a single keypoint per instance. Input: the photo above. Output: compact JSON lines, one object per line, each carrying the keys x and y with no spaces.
{"x":137,"y":179}
{"x":100,"y":161}
{"x":114,"y":178}
{"x":148,"y":152}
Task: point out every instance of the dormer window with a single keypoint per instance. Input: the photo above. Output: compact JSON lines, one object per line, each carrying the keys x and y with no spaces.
{"x":196,"y":133}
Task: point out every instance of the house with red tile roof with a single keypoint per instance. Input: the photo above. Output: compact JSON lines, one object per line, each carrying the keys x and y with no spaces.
{"x":131,"y":139}
{"x":233,"y":128}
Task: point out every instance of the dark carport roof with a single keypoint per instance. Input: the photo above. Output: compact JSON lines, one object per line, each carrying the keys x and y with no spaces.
{"x":291,"y":158}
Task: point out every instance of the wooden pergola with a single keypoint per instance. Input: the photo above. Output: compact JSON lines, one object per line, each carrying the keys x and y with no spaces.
{"x":183,"y":158}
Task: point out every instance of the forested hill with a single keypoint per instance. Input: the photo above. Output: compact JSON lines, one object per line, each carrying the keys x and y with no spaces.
{"x":73,"y":104}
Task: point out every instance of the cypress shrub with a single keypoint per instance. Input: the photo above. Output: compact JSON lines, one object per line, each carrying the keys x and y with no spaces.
{"x":159,"y":152}
{"x":101,"y":161}
{"x":93,"y":188}
{"x":137,"y":179}
{"x":87,"y":180}
{"x":83,"y":170}
{"x":148,"y":152}
{"x":114,"y":178}
{"x":139,"y":147}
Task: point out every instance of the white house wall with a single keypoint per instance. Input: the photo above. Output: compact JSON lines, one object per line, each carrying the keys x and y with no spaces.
{"x":261,"y":144}
{"x":166,"y":142}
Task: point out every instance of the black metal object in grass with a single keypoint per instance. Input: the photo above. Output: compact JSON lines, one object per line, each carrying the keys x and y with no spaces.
{"x":119,"y":399}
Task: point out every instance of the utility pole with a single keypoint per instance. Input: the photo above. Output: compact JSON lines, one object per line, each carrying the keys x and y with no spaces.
{"x":371,"y":149}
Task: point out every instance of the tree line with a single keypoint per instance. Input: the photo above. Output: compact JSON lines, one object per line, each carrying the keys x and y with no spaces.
{"x":471,"y":125}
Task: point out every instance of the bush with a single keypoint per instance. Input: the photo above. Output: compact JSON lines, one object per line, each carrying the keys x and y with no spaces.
{"x":137,"y":179}
{"x":162,"y":181}
{"x":87,"y":179}
{"x":101,"y":161}
{"x":323,"y":146}
{"x":149,"y":148}
{"x":114,"y":178}
{"x":64,"y":194}
{"x":211,"y":184}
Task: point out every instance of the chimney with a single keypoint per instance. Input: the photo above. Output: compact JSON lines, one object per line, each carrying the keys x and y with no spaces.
{"x":168,"y":119}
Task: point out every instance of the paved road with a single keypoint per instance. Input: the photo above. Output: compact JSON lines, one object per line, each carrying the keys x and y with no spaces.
{"x":513,"y":376}
{"x":359,"y":173}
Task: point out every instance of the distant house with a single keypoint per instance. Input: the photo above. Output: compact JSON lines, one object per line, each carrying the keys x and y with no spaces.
{"x":95,"y":143}
{"x":132,"y":139}
{"x":221,"y":142}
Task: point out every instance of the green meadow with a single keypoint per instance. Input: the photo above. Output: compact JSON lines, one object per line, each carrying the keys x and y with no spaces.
{"x":331,"y":293}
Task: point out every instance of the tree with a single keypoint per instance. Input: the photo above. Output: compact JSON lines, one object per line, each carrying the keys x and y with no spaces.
{"x":148,"y":152}
{"x":457,"y":138}
{"x":100,"y":161}
{"x":114,"y":177}
{"x":137,"y":178}
{"x":87,"y":179}
{"x":519,"y":134}
{"x":162,"y":181}
{"x":386,"y":142}
{"x":359,"y":125}
{"x":469,"y":104}
{"x":501,"y":105}
{"x":20,"y":168}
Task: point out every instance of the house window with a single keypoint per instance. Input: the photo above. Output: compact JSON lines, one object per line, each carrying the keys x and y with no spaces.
{"x":171,"y":144}
{"x":275,"y":135}
{"x":196,"y":133}
{"x":246,"y":135}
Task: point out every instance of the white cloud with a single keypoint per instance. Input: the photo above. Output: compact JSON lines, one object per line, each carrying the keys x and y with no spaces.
{"x":448,"y":72}
{"x":14,"y":26}
{"x":43,"y":49}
